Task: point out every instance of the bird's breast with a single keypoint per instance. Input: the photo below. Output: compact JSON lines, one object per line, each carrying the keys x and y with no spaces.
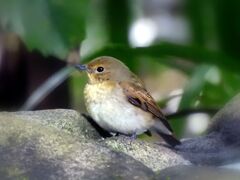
{"x":108,"y":106}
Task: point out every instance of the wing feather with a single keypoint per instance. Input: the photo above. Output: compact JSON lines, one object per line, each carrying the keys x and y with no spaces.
{"x":138,"y":96}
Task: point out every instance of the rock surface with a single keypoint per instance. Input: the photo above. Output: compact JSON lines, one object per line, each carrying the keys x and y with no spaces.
{"x":221,"y":144}
{"x":29,"y":150}
{"x":69,"y":121}
{"x":198,"y":173}
{"x":154,"y":156}
{"x":62,"y":144}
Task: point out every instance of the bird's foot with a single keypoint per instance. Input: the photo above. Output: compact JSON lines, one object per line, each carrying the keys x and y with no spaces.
{"x":133,"y":137}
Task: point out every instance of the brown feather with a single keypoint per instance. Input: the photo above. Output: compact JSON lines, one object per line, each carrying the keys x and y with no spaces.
{"x":138,"y":96}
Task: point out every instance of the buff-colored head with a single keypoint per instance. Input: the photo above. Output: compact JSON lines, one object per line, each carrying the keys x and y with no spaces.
{"x":106,"y":68}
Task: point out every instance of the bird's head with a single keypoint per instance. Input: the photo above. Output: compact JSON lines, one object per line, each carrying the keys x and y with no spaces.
{"x":106,"y":68}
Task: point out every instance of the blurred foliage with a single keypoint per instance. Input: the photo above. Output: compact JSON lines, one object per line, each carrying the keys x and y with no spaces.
{"x":51,"y":26}
{"x":210,"y":59}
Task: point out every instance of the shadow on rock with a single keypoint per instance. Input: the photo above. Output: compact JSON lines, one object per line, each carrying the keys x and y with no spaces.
{"x":21,"y":160}
{"x":221,"y":145}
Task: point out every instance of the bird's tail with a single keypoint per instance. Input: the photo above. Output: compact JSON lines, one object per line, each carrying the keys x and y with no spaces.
{"x":164,"y":130}
{"x":169,"y":139}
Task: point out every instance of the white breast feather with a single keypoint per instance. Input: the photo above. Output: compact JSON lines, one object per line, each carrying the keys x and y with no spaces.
{"x":111,"y":110}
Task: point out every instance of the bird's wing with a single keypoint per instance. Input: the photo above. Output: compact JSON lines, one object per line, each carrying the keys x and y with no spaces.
{"x":139,"y":97}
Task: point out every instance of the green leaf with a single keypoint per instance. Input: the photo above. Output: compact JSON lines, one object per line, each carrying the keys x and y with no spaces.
{"x":210,"y":87}
{"x":192,"y":54}
{"x":191,"y":95}
{"x":194,"y":87}
{"x":51,"y":26}
{"x":217,"y":94}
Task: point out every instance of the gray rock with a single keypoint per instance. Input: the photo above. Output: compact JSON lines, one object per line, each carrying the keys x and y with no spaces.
{"x":221,"y":144}
{"x":154,"y":156}
{"x":235,"y":166}
{"x":62,"y":144}
{"x":198,"y":173}
{"x":69,"y":121}
{"x":30,"y":150}
{"x":227,"y":122}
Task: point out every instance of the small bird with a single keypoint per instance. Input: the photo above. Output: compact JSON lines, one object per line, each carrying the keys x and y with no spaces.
{"x":118,"y":101}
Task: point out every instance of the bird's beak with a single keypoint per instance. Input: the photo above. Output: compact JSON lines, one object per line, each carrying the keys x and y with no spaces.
{"x":81,"y":67}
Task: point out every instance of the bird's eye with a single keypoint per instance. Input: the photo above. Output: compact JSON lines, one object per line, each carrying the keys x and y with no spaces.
{"x":100,"y":69}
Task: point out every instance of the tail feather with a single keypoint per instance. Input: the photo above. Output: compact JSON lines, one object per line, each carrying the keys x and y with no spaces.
{"x":170,"y":139}
{"x":165,"y":133}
